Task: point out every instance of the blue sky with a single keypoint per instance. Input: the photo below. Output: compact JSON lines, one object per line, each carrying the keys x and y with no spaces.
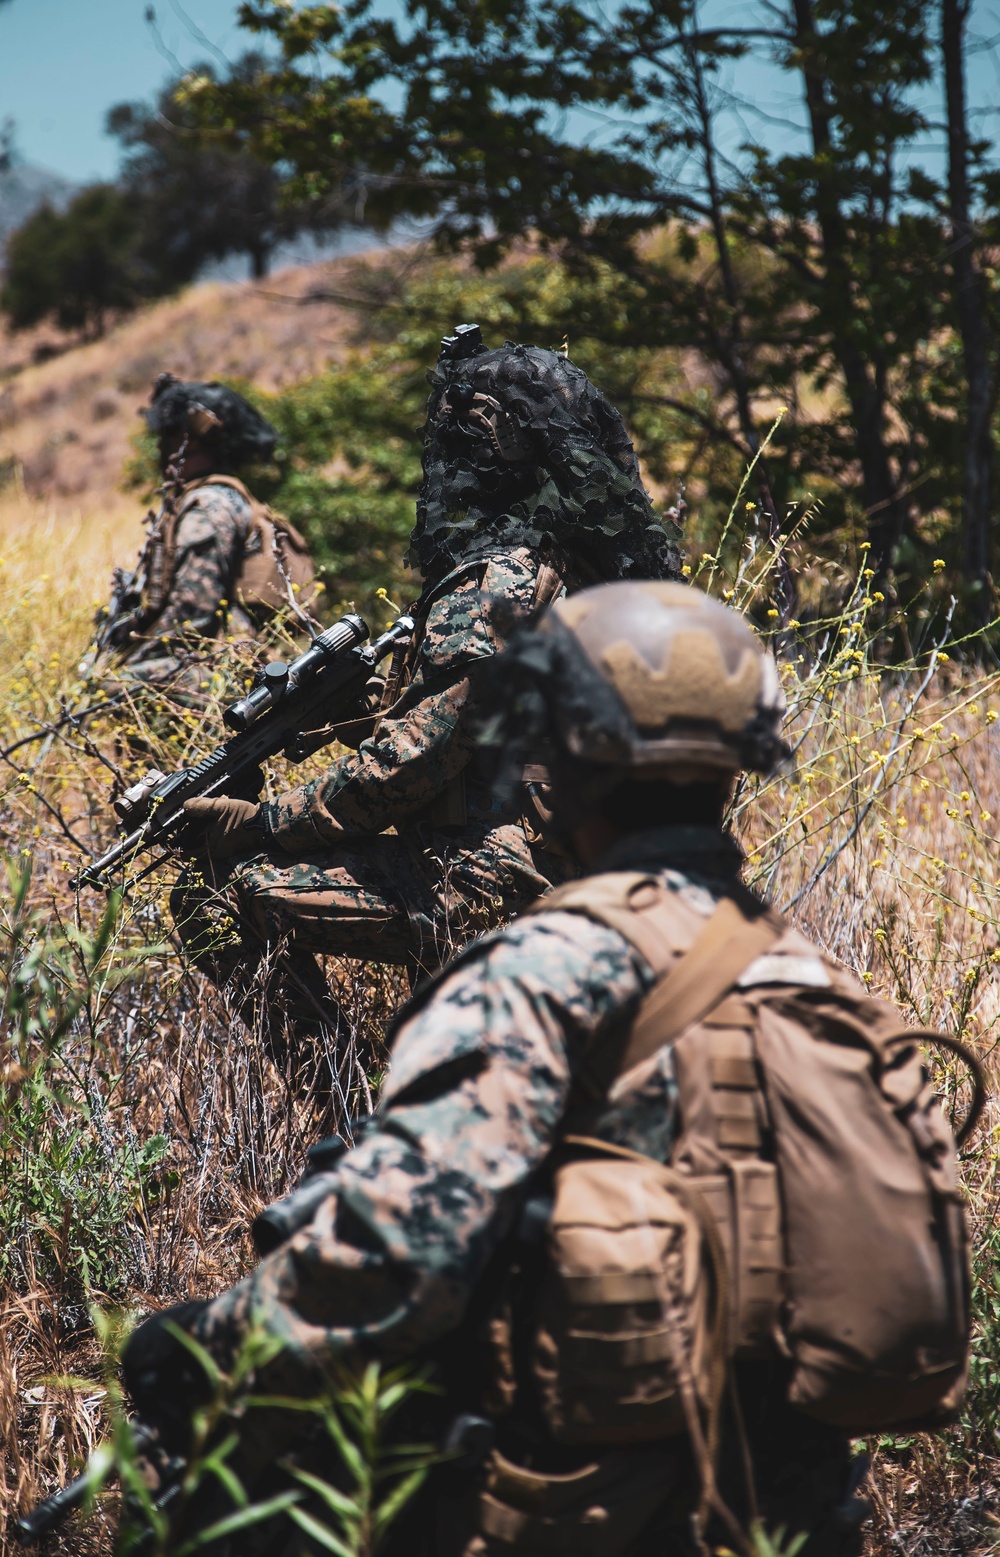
{"x":63,"y":63}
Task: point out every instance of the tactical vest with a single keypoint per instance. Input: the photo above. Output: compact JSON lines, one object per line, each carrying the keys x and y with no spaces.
{"x":274,"y":557}
{"x":813,"y":1145}
{"x":810,"y":1211}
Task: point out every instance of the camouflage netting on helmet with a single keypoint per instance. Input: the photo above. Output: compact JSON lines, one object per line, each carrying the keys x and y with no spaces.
{"x":244,"y":438}
{"x":577,"y":486}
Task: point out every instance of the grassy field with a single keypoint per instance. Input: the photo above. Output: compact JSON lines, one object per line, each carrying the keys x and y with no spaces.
{"x":142,"y":1129}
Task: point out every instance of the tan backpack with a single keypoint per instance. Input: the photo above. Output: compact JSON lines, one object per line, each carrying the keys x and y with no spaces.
{"x":811,"y":1209}
{"x":274,"y":557}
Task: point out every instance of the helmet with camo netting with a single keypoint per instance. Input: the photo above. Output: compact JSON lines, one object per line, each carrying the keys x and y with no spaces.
{"x":521,"y":449}
{"x":215,"y":414}
{"x":635,"y":680}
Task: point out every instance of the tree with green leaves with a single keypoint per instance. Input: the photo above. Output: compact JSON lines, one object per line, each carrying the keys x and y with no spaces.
{"x":184,"y":198}
{"x":804,"y":267}
{"x":969,"y":176}
{"x":201,"y":199}
{"x":78,"y":266}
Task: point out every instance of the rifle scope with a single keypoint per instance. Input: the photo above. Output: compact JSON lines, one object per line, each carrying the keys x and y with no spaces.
{"x":279,"y":677}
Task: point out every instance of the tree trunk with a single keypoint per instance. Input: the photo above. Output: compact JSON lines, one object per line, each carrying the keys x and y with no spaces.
{"x":887,"y":510}
{"x":731,"y":352}
{"x":260,"y":259}
{"x":977,"y":342}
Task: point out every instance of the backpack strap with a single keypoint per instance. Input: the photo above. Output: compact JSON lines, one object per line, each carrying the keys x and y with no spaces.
{"x":259,"y":510}
{"x":633,"y":902}
{"x":727,"y":945}
{"x":692,"y":978}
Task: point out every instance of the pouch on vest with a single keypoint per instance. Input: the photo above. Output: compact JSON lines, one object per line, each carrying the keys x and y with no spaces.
{"x":632,"y":1312}
{"x":597,"y":1510}
{"x":809,"y":1130}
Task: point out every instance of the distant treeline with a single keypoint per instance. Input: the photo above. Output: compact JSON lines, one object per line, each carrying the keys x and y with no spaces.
{"x":183,"y":198}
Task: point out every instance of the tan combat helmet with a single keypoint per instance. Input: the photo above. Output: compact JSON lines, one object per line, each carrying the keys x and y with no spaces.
{"x":697,"y":694}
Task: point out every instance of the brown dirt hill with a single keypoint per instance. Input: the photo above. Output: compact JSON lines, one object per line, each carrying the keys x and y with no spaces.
{"x":66,"y":421}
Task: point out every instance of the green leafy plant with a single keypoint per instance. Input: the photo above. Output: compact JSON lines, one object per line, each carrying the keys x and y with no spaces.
{"x":762,"y":1542}
{"x":45,"y":978}
{"x":346,"y":1509}
{"x":382,"y":1475}
{"x":71,"y":1189}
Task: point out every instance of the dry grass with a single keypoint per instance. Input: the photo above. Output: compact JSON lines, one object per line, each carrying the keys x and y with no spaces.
{"x":172,"y":1128}
{"x":153,"y":1056}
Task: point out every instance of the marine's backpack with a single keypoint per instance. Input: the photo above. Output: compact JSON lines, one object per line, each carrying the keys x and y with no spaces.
{"x":811,"y":1209}
{"x":274,"y":559}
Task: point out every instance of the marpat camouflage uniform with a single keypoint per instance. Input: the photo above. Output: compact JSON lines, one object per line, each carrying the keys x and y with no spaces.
{"x":333,"y":881}
{"x":177,"y":649}
{"x":496,"y":507}
{"x":481,"y":1076}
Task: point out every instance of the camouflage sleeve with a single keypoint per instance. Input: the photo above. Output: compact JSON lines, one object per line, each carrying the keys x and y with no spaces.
{"x":479,"y":1082}
{"x":417,"y":751}
{"x":210,"y":537}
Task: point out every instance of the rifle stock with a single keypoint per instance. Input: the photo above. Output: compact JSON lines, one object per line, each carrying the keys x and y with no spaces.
{"x":284,"y":700}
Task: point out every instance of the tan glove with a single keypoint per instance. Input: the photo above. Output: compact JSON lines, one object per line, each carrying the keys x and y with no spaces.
{"x":221,"y":827}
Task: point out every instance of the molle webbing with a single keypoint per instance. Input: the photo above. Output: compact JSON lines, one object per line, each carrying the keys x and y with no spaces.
{"x":695,"y":1007}
{"x":160,"y":548}
{"x":692,"y":977}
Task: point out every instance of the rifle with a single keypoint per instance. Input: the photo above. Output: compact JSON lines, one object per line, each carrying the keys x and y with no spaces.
{"x":125,"y":610}
{"x":52,"y":1511}
{"x":284,"y":704}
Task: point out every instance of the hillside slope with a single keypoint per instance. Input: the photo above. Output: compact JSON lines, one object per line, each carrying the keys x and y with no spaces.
{"x":66,"y":421}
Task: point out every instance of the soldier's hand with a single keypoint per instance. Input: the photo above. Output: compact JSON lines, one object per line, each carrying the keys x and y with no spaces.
{"x":249,"y":785}
{"x":221,"y":827}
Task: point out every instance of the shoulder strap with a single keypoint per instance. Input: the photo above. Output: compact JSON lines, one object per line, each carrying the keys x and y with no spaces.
{"x":222,"y":480}
{"x":549,"y":585}
{"x":189,"y":491}
{"x":634,"y":903}
{"x":160,"y":551}
{"x":691,"y":979}
{"x":259,"y":511}
{"x":700,"y":979}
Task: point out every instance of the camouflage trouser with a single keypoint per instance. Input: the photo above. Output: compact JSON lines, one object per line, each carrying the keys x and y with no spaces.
{"x":411,"y":899}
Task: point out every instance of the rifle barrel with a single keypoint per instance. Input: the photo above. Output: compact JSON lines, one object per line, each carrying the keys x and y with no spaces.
{"x":49,"y":1514}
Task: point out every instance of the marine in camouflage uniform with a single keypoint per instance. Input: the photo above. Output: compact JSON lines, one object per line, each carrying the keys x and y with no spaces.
{"x":531,"y":488}
{"x":186,"y":597}
{"x":424,"y":1218}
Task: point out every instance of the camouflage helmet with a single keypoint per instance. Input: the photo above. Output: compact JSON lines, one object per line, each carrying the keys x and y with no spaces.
{"x":633,"y":681}
{"x":521,"y":449}
{"x":692,"y":684}
{"x":213,"y":413}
